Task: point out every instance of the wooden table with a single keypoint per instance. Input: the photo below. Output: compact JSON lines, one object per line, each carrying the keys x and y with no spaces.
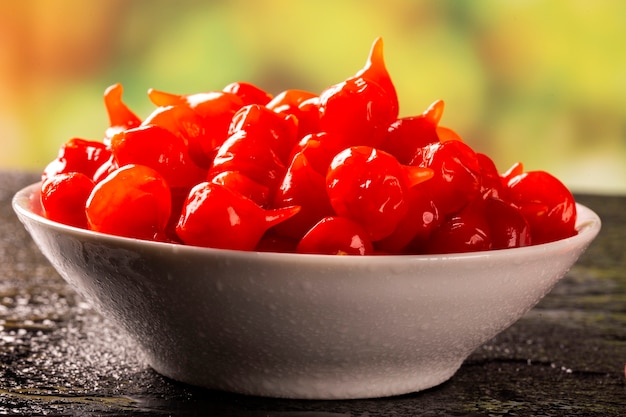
{"x":566,"y":357}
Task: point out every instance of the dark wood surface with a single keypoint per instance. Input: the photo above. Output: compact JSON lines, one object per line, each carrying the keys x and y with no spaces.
{"x":566,"y":357}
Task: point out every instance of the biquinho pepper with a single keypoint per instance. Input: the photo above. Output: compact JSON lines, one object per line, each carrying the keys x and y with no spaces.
{"x":338,"y":172}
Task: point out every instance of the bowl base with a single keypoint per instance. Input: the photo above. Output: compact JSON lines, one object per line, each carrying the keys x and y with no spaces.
{"x":332,"y":386}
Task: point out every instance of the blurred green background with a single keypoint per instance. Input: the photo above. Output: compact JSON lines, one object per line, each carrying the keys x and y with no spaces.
{"x":542,"y":82}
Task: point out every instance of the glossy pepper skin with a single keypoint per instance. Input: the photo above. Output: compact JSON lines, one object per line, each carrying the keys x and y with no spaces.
{"x":371,"y":187}
{"x":160,"y":149}
{"x":64,"y":196}
{"x":208,"y":116}
{"x":214,"y":216}
{"x":303,"y":186}
{"x":78,"y":155}
{"x":361,"y":108}
{"x":339,"y":172}
{"x":546,"y":204}
{"x":334,"y":235}
{"x":121,"y":117}
{"x":133,"y":201}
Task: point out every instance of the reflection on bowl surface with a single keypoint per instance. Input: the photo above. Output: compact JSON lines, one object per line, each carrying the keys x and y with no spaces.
{"x":303,"y":326}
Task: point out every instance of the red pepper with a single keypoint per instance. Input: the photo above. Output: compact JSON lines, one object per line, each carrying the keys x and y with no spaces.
{"x":120,"y":116}
{"x":217,"y":217}
{"x":133,"y":201}
{"x":78,"y":155}
{"x":337,"y":173}
{"x":336,"y":236}
{"x":63,"y":198}
{"x":370,"y":187}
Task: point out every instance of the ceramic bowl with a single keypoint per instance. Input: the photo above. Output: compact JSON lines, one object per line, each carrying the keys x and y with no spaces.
{"x":302,"y":326}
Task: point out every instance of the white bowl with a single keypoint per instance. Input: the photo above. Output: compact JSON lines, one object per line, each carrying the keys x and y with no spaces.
{"x":302,"y":326}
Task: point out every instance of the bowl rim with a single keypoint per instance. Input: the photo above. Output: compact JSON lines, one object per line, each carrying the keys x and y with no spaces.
{"x":588,"y":225}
